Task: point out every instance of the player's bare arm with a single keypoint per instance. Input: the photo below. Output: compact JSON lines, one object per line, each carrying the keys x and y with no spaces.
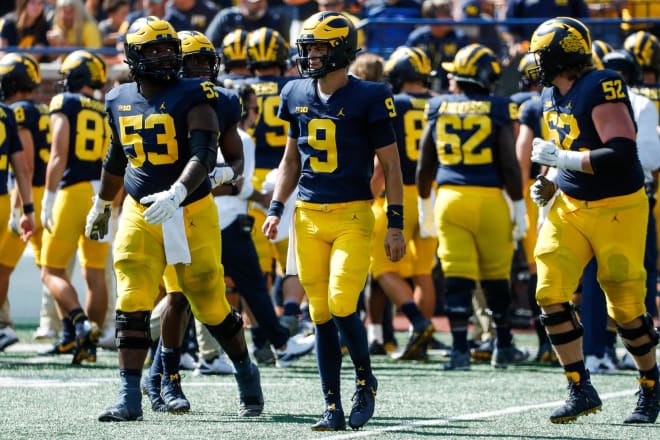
{"x":508,"y":162}
{"x":427,"y":164}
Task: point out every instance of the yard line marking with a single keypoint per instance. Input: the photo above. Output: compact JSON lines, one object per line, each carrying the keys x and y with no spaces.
{"x":466,"y":417}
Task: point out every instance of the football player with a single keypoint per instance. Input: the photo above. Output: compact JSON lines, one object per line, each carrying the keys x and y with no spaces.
{"x":407,"y":70}
{"x":12,"y":153}
{"x":601,"y":181}
{"x":164,"y":144}
{"x":233,"y":58}
{"x":337,"y":123}
{"x":267,"y":58}
{"x":530,"y":126}
{"x":80,"y":137}
{"x":468,"y":146}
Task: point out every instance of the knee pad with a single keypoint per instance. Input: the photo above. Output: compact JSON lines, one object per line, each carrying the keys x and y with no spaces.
{"x":646,"y":328}
{"x":556,"y":318}
{"x":137,"y":325}
{"x":498,"y":299}
{"x":228,"y":328}
{"x":458,"y":298}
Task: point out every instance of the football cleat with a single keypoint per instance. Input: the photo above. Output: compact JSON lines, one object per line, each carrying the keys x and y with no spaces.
{"x":417,"y":343}
{"x":7,"y":337}
{"x":582,"y":400}
{"x":377,"y":349}
{"x":87,"y":337}
{"x":63,"y":346}
{"x":599,"y":365}
{"x":150,"y":386}
{"x":295,"y":348}
{"x":505,"y":356}
{"x":390,"y":346}
{"x":251,"y":398}
{"x":546,"y":354}
{"x":364,"y":402}
{"x":119,"y":413}
{"x":264,"y":355}
{"x":172,"y":394}
{"x":291,"y":323}
{"x":648,"y":402}
{"x":437,"y":345}
{"x":217,"y":365}
{"x":458,"y":360}
{"x":484,"y":351}
{"x":332,"y":420}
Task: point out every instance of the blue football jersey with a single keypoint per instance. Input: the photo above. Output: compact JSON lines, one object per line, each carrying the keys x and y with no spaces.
{"x":570,"y":125}
{"x":89,"y":136}
{"x":530,"y":113}
{"x":465,"y":129}
{"x":228,"y":108}
{"x":9,"y":143}
{"x":409,"y":126}
{"x":270,"y":132}
{"x":35,"y":118}
{"x":333,"y":137}
{"x":154,"y":134}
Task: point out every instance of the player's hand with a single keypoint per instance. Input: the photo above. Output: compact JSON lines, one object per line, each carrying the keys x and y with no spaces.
{"x":519,"y":220}
{"x":269,"y":228}
{"x":222,"y":173}
{"x":47,"y":203}
{"x":395,"y":244}
{"x":427,"y":226}
{"x":27,"y":226}
{"x":15,"y":221}
{"x":548,"y":153}
{"x":163,"y":204}
{"x":98,"y":219}
{"x":543,"y":190}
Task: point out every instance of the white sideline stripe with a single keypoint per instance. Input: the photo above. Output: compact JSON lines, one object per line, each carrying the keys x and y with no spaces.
{"x":72,"y":381}
{"x":466,"y":417}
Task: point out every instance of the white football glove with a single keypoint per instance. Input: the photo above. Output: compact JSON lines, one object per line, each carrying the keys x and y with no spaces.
{"x":548,"y":153}
{"x":519,"y":219}
{"x":543,"y":190}
{"x":98,"y":219}
{"x":222,"y":173}
{"x":164,"y":203}
{"x":425,"y":207}
{"x":15,"y":221}
{"x":47,"y":203}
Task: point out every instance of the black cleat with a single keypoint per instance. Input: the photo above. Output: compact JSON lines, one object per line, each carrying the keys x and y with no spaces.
{"x":119,"y":413}
{"x":150,"y":386}
{"x":364,"y":402}
{"x":582,"y":400}
{"x":377,"y":349}
{"x":332,"y":420}
{"x":648,"y":403}
{"x":172,"y":394}
{"x":251,"y":399}
{"x":63,"y":346}
{"x":505,"y":356}
{"x":87,"y":338}
{"x":417,"y":343}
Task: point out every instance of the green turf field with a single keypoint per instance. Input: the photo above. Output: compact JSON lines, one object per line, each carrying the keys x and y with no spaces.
{"x":44,"y":397}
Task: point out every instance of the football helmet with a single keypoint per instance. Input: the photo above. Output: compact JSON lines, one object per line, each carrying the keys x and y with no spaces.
{"x":599,"y":49}
{"x":266,"y":48}
{"x":527,"y":62}
{"x":407,"y":64}
{"x":82,"y":68}
{"x":333,"y":29}
{"x":475,"y":64}
{"x":19,"y":72}
{"x":559,"y":44}
{"x":646,"y":49}
{"x":233,"y":52}
{"x":148,"y":32}
{"x":625,"y":63}
{"x":195,"y":44}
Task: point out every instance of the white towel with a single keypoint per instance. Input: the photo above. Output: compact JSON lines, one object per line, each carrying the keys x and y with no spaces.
{"x":175,"y":241}
{"x":291,"y":263}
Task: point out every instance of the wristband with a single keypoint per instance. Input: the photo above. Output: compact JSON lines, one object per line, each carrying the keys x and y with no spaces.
{"x":395,"y":216}
{"x":28,"y":208}
{"x":275,"y":209}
